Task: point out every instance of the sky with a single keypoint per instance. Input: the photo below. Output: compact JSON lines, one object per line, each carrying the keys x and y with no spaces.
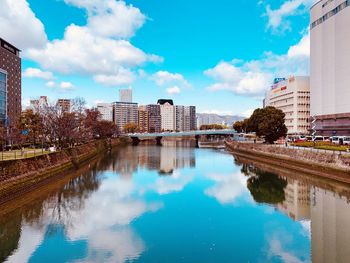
{"x":220,"y":56}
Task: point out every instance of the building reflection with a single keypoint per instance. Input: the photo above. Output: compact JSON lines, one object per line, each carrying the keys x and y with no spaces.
{"x":325,"y":204}
{"x":166,"y":159}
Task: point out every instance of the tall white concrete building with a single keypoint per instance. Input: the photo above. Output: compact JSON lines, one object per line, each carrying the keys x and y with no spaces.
{"x":330,"y":66}
{"x":125,"y":95}
{"x":106,"y":111}
{"x":292,"y":96}
{"x":167,"y":112}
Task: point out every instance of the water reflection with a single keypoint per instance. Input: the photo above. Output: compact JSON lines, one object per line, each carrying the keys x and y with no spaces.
{"x":177,"y":203}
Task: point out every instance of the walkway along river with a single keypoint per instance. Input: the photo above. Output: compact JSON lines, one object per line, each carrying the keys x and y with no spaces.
{"x":176,"y":203}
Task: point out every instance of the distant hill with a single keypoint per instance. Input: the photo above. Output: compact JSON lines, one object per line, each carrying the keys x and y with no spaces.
{"x":210,"y":118}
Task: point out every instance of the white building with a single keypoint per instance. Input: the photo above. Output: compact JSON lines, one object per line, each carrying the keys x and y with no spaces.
{"x":125,"y":95}
{"x":292,"y":96}
{"x":125,"y":113}
{"x":106,"y":111}
{"x":330,"y":66}
{"x":167,"y":112}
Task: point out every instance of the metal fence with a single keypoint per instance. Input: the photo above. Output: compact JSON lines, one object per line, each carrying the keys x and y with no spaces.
{"x":311,"y":149}
{"x":21,"y":154}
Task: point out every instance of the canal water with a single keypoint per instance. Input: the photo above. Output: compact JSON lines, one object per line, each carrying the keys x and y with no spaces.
{"x":176,"y":203}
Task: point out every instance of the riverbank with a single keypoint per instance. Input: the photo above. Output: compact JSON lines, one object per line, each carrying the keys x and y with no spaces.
{"x":335,"y":166}
{"x":20,"y":176}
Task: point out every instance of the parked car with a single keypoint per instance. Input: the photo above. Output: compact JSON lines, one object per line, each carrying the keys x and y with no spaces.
{"x":335,"y":139}
{"x":318,"y":139}
{"x":344,"y":140}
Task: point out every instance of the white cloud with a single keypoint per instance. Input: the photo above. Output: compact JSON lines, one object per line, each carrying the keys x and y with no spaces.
{"x":63,"y":86}
{"x":20,"y":26}
{"x":276,"y":18}
{"x":173,"y":90}
{"x":100,"y":48}
{"x":122,"y":77}
{"x":253,"y":78}
{"x":37,"y":73}
{"x":164,"y":77}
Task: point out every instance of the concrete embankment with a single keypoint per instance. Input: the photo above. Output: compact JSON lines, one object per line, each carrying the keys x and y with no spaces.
{"x":332,"y":165}
{"x":20,"y":176}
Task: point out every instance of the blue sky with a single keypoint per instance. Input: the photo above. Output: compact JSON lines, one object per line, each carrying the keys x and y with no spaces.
{"x":220,"y":56}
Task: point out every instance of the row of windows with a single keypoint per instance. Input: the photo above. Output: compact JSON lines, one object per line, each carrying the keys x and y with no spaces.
{"x":330,"y":14}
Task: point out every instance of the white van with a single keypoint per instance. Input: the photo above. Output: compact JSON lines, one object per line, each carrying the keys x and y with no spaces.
{"x":346,"y":140}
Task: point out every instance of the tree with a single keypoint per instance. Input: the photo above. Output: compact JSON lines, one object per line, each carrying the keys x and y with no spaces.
{"x":130,"y":128}
{"x":268,"y":122}
{"x":106,"y":129}
{"x":212,"y":127}
{"x":31,"y":123}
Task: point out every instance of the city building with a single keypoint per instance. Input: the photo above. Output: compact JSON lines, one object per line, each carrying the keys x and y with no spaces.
{"x":179,"y":118}
{"x":330,"y":67}
{"x":143,"y":119}
{"x":106,"y":111}
{"x":193,"y":118}
{"x":292,"y":96}
{"x":10,"y":83}
{"x":125,"y":95}
{"x":124,"y":113}
{"x":167,"y":112}
{"x":38,"y":105}
{"x":154,"y":118}
{"x":64,"y":105}
{"x":185,"y":118}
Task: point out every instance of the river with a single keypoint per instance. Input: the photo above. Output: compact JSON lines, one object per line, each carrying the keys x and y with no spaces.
{"x":176,"y":203}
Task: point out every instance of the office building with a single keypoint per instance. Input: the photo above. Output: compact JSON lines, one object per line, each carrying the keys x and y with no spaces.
{"x":10,"y":83}
{"x":106,"y":111}
{"x":292,"y":96}
{"x":125,"y":113}
{"x":154,"y":118}
{"x":125,"y":95}
{"x":143,"y":119}
{"x":330,"y":67}
{"x":167,"y":112}
{"x":39,"y":105}
{"x":64,"y":105}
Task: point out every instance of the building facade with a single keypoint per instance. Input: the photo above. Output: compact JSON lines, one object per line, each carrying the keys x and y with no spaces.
{"x":64,"y":105}
{"x":167,"y":112}
{"x":106,"y":111}
{"x":125,"y":95}
{"x":154,"y":118}
{"x":143,"y":119}
{"x":330,"y":67}
{"x":124,"y":113}
{"x":38,"y":105}
{"x":292,"y":96}
{"x":10,"y":83}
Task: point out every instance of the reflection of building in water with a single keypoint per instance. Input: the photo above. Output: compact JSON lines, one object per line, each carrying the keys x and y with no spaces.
{"x":330,"y":227}
{"x":297,"y":200}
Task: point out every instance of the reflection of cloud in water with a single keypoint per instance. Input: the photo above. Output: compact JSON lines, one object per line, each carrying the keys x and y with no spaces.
{"x":114,"y":245}
{"x":174,"y":183}
{"x":30,"y":239}
{"x":228,"y":187}
{"x":306,"y":227}
{"x":276,"y":250}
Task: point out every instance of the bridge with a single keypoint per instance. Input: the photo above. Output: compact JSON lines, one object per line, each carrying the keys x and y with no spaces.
{"x":136,"y":137}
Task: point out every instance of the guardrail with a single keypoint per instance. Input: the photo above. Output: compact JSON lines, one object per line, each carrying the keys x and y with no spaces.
{"x":21,"y":154}
{"x":311,"y":149}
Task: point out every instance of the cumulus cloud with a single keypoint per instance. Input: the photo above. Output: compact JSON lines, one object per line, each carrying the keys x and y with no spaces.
{"x":101,"y":48}
{"x":173,"y":90}
{"x":276,"y":18}
{"x":37,"y":73}
{"x":253,"y":78}
{"x":164,"y":77}
{"x":63,"y":86}
{"x":20,"y":26}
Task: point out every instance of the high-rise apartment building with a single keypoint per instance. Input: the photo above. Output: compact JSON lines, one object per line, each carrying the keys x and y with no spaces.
{"x":106,"y":111}
{"x":167,"y":112}
{"x":125,"y":95}
{"x":10,"y":83}
{"x":154,"y":118}
{"x":64,"y":105}
{"x":292,"y":96}
{"x":125,"y":113}
{"x":330,"y":67}
{"x":185,"y":118}
{"x":143,"y":119}
{"x":179,"y":118}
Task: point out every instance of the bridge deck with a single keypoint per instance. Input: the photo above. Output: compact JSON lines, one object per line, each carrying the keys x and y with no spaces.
{"x":182,"y":134}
